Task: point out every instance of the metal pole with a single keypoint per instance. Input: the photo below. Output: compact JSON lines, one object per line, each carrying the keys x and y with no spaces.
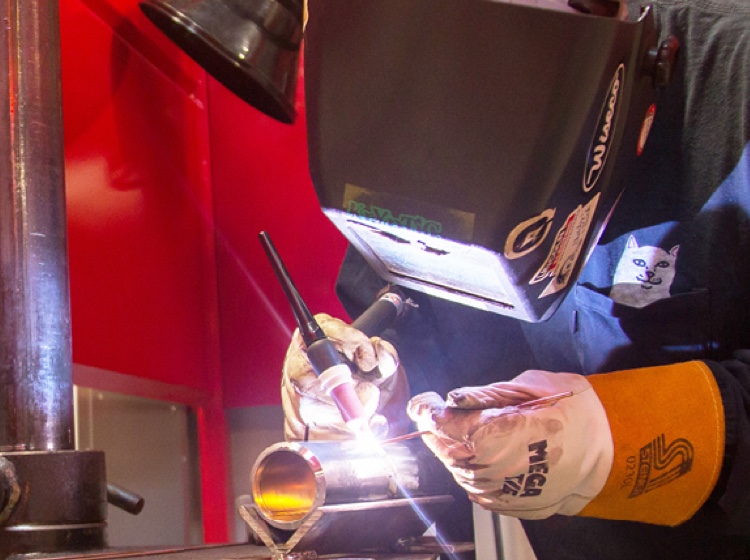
{"x":36,"y":387}
{"x":62,"y":503}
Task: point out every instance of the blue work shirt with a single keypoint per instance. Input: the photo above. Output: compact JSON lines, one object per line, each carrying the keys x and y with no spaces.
{"x":668,"y":282}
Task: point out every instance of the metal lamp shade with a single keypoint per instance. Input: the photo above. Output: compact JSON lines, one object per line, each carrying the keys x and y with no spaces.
{"x":250,"y":46}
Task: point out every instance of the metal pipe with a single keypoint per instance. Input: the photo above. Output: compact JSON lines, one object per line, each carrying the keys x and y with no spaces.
{"x":124,"y":499}
{"x":36,"y":387}
{"x":290,"y":481}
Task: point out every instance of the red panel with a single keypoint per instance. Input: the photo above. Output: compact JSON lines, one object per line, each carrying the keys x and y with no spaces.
{"x":148,"y":284}
{"x":261,"y":182}
{"x":213,"y":444}
{"x":138,"y":189}
{"x":125,"y":18}
{"x":140,"y":220}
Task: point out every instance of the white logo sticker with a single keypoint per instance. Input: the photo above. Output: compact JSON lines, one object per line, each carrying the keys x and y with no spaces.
{"x":605,"y":130}
{"x":566,"y":249}
{"x":528,"y":235}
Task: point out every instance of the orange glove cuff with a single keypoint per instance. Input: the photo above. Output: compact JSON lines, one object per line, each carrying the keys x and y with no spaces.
{"x":667,"y":427}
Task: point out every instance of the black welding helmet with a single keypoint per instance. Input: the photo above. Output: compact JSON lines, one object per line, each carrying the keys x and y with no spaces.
{"x":471,"y":149}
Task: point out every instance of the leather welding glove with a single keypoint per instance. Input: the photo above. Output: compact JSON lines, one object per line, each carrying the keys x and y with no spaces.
{"x":379,"y":381}
{"x":641,"y":445}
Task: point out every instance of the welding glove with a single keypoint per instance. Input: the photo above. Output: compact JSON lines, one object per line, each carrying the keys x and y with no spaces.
{"x":379,"y":381}
{"x":641,"y":445}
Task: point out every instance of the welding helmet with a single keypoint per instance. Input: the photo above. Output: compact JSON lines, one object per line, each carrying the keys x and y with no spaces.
{"x":474,"y":150}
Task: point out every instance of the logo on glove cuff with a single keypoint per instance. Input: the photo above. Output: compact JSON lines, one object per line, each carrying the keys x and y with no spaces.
{"x":660,"y":464}
{"x":530,"y":483}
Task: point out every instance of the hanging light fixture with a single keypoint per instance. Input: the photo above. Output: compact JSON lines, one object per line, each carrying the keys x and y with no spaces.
{"x":250,"y":46}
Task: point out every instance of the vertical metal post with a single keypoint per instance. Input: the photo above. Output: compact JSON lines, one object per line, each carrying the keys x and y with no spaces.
{"x":36,"y":388}
{"x":63,"y":491}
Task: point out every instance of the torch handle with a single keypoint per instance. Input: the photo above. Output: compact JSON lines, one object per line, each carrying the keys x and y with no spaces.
{"x":381,"y":314}
{"x":331,"y":366}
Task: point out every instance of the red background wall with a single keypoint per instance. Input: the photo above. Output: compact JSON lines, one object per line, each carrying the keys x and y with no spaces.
{"x":169,"y":180}
{"x":260,"y":182}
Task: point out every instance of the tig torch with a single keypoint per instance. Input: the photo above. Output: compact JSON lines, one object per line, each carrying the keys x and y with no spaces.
{"x":329,"y":364}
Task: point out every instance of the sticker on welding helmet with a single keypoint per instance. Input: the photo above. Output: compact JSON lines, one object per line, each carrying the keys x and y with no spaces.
{"x":648,"y":122}
{"x":528,"y":235}
{"x":410,"y":213}
{"x":566,"y":249}
{"x":601,"y":143}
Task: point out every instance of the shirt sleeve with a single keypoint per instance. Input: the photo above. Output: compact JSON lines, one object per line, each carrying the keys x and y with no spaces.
{"x":732,"y":493}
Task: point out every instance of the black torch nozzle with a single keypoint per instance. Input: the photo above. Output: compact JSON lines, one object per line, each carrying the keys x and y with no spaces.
{"x":329,"y":364}
{"x":308,"y":326}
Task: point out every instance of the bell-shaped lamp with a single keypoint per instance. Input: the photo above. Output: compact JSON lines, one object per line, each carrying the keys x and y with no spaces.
{"x":250,"y":46}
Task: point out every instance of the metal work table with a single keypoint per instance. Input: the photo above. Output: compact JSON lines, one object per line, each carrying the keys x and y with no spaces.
{"x":211,"y":552}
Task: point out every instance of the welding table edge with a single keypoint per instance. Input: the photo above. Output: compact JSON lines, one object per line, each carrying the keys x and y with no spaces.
{"x":205,"y":552}
{"x":199,"y":552}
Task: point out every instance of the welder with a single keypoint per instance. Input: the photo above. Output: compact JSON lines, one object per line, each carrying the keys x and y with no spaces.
{"x":646,"y":452}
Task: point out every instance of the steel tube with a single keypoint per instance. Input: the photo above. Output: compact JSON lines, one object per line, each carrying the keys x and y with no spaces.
{"x":36,"y":388}
{"x":291,"y":480}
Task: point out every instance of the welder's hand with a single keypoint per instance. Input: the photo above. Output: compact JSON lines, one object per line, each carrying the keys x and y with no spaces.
{"x":379,"y":381}
{"x":641,"y":445}
{"x":517,"y":457}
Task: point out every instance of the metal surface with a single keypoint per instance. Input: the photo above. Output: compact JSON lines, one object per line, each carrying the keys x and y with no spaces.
{"x":63,"y":503}
{"x":291,"y":480}
{"x":206,"y":552}
{"x":56,"y":497}
{"x":210,"y":552}
{"x":36,"y":388}
{"x":124,"y":499}
{"x":385,"y":525}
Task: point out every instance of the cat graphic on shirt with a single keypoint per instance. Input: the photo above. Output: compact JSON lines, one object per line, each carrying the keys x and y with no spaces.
{"x":643,"y":275}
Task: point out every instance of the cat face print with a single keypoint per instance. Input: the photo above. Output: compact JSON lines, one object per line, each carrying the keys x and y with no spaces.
{"x":643,"y":274}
